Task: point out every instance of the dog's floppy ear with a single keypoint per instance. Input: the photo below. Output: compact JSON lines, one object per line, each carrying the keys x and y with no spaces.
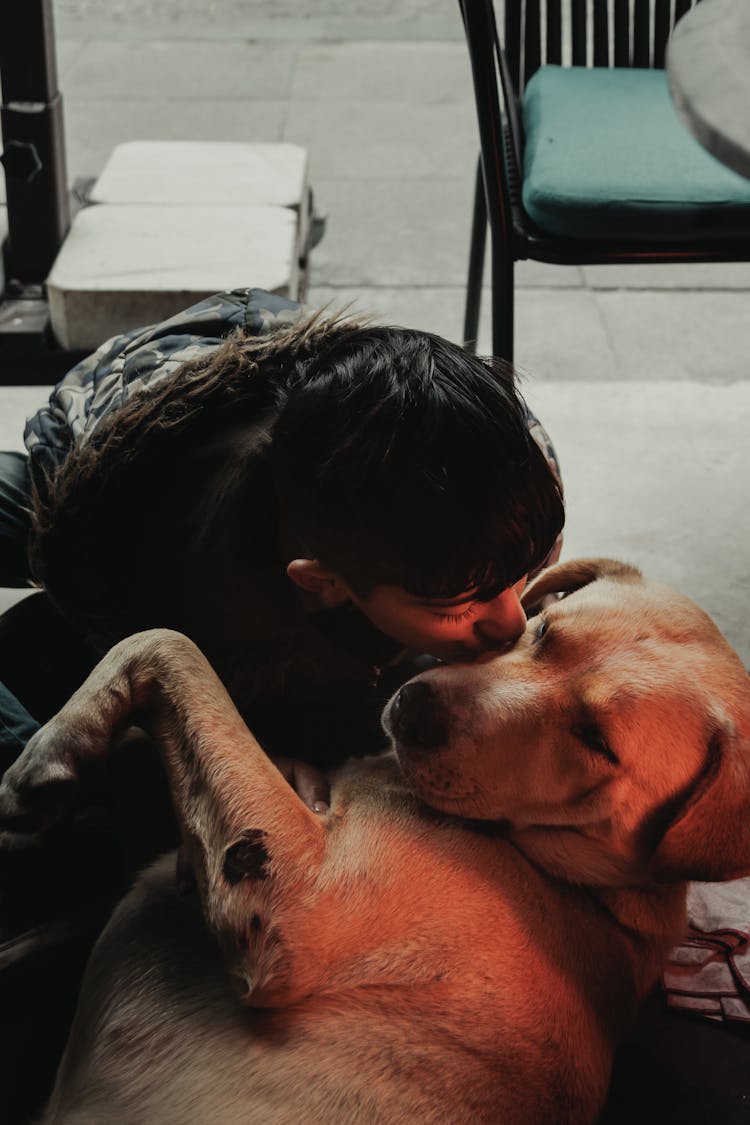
{"x":563,"y":578}
{"x":705,"y":833}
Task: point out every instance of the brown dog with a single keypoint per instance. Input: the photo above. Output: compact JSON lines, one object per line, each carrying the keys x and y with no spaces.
{"x":395,"y":964}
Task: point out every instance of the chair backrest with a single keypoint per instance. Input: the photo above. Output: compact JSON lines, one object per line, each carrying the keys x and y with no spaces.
{"x":587,"y":33}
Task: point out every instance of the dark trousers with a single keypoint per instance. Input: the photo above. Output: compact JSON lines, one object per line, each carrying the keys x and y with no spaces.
{"x":16,"y":722}
{"x":14,"y":519}
{"x":43,"y":658}
{"x":53,"y":897}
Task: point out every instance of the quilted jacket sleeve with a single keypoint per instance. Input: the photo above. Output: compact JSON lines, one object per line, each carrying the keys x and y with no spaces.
{"x":139,"y":358}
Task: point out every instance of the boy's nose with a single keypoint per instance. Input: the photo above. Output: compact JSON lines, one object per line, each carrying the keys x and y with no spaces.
{"x":502,"y":620}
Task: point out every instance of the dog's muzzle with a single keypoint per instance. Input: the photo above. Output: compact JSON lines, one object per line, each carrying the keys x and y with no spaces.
{"x":417,"y":717}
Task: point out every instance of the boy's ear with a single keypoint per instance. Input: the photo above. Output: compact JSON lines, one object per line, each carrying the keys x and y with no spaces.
{"x":327,"y":588}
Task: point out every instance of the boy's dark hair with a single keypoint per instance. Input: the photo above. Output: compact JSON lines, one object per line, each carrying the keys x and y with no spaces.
{"x":396,"y":457}
{"x":399,"y":458}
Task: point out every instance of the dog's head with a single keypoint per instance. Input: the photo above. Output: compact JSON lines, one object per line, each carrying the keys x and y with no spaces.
{"x":613,"y":740}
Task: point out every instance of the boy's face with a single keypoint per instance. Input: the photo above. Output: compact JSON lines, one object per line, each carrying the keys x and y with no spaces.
{"x":459,"y":629}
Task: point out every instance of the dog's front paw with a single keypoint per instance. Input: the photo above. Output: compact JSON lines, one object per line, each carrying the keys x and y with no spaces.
{"x":41,"y":786}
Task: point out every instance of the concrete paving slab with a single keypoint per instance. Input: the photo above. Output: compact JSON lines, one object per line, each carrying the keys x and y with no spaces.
{"x":543,"y":275}
{"x":179,"y":69}
{"x":193,"y":172}
{"x":428,"y":73}
{"x":656,"y":474}
{"x":661,"y":335}
{"x":274,"y":19}
{"x":66,"y":53}
{"x":355,"y":137}
{"x":250,"y":24}
{"x":122,"y":266}
{"x":690,"y":275}
{"x":396,"y":232}
{"x":560,"y":335}
{"x":94,"y":126}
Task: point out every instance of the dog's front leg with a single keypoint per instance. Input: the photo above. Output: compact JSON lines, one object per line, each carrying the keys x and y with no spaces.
{"x":240,"y":820}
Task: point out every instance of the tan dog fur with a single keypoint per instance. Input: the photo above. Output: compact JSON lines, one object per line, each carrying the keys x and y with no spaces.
{"x":391,"y":963}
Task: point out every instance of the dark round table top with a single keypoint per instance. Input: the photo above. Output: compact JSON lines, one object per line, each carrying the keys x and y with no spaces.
{"x":708,"y":67}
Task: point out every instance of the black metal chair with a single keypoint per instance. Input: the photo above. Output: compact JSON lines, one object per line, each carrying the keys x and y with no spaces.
{"x":543,"y":33}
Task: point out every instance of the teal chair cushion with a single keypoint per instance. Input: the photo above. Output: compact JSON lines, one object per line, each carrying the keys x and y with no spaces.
{"x":607,"y":157}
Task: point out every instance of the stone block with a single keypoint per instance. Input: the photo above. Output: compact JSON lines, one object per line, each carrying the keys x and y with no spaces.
{"x":220,"y":172}
{"x":123,"y":266}
{"x":208,"y":172}
{"x":174,"y":221}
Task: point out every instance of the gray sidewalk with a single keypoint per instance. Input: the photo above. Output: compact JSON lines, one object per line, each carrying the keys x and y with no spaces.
{"x":390,"y":127}
{"x":388,"y":119}
{"x":641,"y":374}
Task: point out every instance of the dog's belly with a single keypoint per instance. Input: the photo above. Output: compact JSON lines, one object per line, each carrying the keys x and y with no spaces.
{"x":160,"y":1036}
{"x":158,"y":1032}
{"x":512,"y":1037}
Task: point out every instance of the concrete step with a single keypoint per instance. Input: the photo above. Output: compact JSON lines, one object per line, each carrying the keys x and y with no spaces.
{"x":219,"y":172}
{"x":171,"y":222}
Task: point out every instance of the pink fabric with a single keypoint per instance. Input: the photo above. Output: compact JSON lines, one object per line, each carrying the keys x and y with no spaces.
{"x":709,"y":971}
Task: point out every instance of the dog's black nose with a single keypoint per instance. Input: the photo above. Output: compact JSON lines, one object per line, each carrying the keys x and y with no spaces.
{"x":418,"y":718}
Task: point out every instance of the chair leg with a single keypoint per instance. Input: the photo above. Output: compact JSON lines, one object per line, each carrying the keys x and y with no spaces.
{"x":502,"y":302}
{"x":476,"y":263}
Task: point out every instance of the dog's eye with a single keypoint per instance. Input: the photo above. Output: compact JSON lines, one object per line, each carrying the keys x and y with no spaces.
{"x":593,"y":739}
{"x":540,"y":630}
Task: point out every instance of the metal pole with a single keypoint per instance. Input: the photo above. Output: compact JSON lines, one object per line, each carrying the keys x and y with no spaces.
{"x":33,"y":140}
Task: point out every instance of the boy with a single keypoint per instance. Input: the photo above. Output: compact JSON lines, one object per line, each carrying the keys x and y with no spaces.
{"x":305,"y":498}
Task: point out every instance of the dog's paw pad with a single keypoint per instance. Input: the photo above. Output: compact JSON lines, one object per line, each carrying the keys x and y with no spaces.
{"x":246,"y":858}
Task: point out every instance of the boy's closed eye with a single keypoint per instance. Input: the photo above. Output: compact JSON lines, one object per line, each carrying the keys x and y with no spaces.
{"x":455,"y":618}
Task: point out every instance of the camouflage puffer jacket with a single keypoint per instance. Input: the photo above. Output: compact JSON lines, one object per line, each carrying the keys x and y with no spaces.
{"x":126,"y":363}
